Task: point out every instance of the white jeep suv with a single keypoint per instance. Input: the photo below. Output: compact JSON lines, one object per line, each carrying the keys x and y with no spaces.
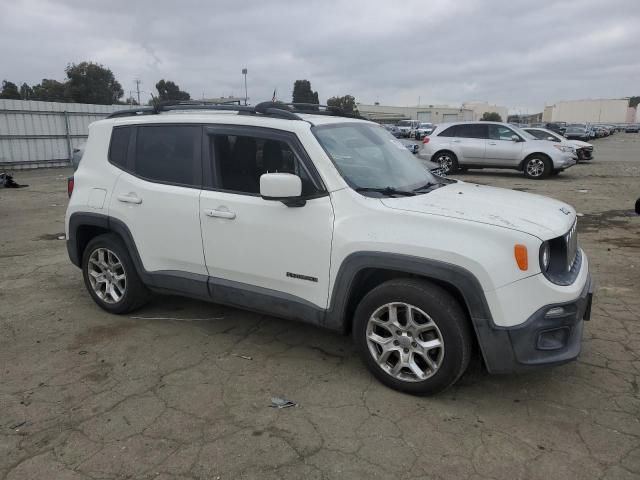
{"x":467,"y":145}
{"x":328,"y":220}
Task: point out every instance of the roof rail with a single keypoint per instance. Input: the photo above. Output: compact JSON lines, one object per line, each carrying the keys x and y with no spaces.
{"x":287,"y":111}
{"x":310,"y":108}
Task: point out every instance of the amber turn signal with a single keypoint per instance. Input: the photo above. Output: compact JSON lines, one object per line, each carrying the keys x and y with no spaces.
{"x":522,"y":257}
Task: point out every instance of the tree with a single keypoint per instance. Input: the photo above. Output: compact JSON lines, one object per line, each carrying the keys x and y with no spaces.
{"x":9,"y":90}
{"x":491,"y":117}
{"x":302,"y":93}
{"x":168,"y":90}
{"x":90,"y":82}
{"x":50,"y":91}
{"x":347,"y":104}
{"x":26,"y":92}
{"x":634,"y":101}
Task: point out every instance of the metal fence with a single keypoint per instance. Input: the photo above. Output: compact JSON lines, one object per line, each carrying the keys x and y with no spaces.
{"x":44,"y":134}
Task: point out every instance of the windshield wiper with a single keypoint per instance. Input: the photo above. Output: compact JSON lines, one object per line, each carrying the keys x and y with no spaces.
{"x":388,"y":191}
{"x":428,"y":186}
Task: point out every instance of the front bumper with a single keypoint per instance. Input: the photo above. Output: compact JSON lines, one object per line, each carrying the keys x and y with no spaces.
{"x":550,"y":336}
{"x":564,"y":161}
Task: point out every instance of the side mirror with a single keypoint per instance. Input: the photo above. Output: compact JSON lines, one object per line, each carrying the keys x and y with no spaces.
{"x":515,"y":138}
{"x":284,"y":187}
{"x":551,"y":139}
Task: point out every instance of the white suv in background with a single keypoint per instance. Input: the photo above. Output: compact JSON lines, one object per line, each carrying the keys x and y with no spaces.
{"x":328,"y":220}
{"x":467,"y":145}
{"x":584,"y":150}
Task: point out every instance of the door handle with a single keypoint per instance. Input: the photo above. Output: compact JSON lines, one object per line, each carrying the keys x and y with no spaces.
{"x":130,"y":198}
{"x":220,"y":214}
{"x":455,"y":141}
{"x":492,"y":143}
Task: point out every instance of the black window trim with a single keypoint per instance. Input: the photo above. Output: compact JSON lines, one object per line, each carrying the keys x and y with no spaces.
{"x":131,"y":154}
{"x":210,"y":182}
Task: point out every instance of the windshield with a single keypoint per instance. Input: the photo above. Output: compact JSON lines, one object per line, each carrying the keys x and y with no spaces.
{"x":367,"y":156}
{"x":404,"y":123}
{"x":575,"y":130}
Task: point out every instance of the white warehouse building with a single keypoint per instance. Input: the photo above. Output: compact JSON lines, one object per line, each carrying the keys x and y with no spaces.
{"x":602,"y":110}
{"x":424,"y":113}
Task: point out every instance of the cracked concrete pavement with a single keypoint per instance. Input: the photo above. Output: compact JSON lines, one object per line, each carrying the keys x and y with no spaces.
{"x":88,"y":395}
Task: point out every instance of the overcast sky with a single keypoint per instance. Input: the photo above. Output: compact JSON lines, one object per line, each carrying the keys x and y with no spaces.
{"x":521,"y":54}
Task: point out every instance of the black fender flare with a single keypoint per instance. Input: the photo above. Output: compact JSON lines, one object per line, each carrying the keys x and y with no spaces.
{"x":494,"y":341}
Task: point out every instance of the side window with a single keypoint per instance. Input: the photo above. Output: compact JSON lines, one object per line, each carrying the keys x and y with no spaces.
{"x":168,"y":153}
{"x":240,"y":160}
{"x":499,"y":132}
{"x":119,"y":146}
{"x":449,"y":132}
{"x":472,"y":130}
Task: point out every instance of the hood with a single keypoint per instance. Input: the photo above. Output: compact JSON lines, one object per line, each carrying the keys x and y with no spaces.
{"x":579,"y":143}
{"x":536,"y":215}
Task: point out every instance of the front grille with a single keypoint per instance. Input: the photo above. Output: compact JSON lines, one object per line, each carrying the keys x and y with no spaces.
{"x":571,"y":242}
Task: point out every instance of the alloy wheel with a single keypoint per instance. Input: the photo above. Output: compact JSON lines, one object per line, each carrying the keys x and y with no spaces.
{"x":405,"y":342}
{"x":535,"y":167}
{"x":107,"y":276}
{"x":446,"y":162}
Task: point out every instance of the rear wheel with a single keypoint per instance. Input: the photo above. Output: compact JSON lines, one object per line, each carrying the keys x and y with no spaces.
{"x":413,"y":336}
{"x":110,"y":276}
{"x":448,"y":161}
{"x":537,"y":167}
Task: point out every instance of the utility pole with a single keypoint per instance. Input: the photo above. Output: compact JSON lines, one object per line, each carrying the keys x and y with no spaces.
{"x":244,"y":72}
{"x":138,"y":82}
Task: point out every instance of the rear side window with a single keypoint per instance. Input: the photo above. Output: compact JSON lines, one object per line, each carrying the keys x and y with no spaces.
{"x":119,"y":146}
{"x":168,"y":154}
{"x":472,"y":130}
{"x":449,"y":132}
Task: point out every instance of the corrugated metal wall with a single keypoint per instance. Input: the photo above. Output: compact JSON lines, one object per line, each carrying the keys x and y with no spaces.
{"x":34,"y":134}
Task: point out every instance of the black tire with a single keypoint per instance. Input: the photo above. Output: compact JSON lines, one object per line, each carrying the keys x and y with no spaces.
{"x":447,"y":161}
{"x":537,"y":167}
{"x":135,"y":293}
{"x":444,"y":311}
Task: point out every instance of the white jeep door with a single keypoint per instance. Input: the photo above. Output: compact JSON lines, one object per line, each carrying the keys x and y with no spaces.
{"x":157,"y":196}
{"x":254,"y":245}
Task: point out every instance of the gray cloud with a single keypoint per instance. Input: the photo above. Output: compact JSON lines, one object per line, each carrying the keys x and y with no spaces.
{"x":517,"y":53}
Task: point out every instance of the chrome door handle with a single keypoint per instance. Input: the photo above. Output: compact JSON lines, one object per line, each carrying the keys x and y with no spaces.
{"x":220,"y":214}
{"x":130,"y":198}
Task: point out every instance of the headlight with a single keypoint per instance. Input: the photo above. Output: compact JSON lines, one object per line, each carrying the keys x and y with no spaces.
{"x":545,"y":256}
{"x":563,"y":148}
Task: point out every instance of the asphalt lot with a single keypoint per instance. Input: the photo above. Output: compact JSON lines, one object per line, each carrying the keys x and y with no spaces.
{"x":168,"y":392}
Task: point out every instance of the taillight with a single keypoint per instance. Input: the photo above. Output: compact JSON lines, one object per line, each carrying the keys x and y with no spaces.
{"x":425,"y":139}
{"x":70,"y":183}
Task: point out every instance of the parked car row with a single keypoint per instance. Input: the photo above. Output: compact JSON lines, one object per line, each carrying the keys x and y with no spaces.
{"x":410,"y":129}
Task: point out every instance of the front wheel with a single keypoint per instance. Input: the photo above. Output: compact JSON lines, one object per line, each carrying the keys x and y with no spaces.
{"x":537,"y":167}
{"x":413,"y":336}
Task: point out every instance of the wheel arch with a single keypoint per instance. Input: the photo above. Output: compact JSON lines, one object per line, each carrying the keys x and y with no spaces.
{"x":362,"y":271}
{"x":85,"y":226}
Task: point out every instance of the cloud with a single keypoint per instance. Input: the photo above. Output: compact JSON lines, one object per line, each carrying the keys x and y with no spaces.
{"x":515,"y":53}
